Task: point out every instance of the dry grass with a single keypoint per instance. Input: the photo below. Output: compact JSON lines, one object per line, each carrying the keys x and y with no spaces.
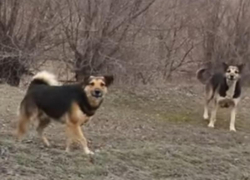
{"x":137,"y":135}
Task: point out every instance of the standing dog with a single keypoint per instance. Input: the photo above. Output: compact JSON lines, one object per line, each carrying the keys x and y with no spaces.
{"x":224,"y":90}
{"x":72,"y":105}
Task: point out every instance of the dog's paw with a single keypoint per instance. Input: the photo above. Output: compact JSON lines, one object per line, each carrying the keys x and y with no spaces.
{"x":211,"y":125}
{"x":67,"y":150}
{"x":232,"y":129}
{"x":88,"y":152}
{"x":46,"y":142}
{"x":205,"y":116}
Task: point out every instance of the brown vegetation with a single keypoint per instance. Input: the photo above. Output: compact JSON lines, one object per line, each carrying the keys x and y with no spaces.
{"x":137,"y":40}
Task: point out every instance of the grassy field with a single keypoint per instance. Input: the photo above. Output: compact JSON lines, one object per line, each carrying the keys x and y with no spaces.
{"x":139,"y":134}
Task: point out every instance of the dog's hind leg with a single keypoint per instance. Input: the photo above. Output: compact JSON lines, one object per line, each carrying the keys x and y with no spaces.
{"x":213,"y":115}
{"x":23,"y":124}
{"x":43,"y":123}
{"x":232,"y":121}
{"x":27,"y":113}
{"x":208,"y":97}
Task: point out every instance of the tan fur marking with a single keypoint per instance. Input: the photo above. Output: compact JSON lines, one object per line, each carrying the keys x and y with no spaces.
{"x":75,"y":134}
{"x":24,"y":122}
{"x":43,"y":123}
{"x":95,"y":83}
{"x":22,"y":126}
{"x":73,"y":128}
{"x":76,"y":115}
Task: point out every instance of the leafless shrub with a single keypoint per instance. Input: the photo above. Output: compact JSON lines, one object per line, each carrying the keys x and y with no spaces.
{"x":139,"y":41}
{"x":225,"y":32}
{"x":24,"y":25}
{"x":94,"y":31}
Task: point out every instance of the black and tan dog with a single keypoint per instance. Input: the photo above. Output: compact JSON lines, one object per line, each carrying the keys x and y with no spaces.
{"x":224,"y":90}
{"x":72,"y":105}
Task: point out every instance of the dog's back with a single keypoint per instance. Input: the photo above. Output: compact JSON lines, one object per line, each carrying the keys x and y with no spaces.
{"x":45,"y":95}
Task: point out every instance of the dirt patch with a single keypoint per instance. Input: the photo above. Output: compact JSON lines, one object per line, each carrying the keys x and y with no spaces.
{"x":137,"y":135}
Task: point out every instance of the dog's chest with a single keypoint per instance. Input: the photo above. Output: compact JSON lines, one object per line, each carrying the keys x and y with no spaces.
{"x":85,"y":119}
{"x":81,"y":117}
{"x":229,"y":90}
{"x":226,"y":102}
{"x":77,"y":116}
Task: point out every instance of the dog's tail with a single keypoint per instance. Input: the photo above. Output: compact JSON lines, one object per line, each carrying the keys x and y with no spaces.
{"x":44,"y":78}
{"x":201,"y":75}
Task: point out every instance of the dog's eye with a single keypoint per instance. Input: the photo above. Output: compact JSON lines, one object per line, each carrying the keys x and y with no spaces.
{"x":92,"y":84}
{"x":236,"y":72}
{"x":102,"y":84}
{"x":228,"y":71}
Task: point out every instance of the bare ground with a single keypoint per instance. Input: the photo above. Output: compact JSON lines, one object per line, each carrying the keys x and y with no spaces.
{"x":138,"y":134}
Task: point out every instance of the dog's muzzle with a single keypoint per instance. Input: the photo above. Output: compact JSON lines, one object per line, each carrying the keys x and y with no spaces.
{"x":97,"y":93}
{"x":231,"y":77}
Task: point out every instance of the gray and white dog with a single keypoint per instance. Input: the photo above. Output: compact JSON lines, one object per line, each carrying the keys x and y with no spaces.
{"x":223,"y":90}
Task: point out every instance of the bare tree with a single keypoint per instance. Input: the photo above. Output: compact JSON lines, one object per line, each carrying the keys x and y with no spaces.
{"x":94,"y":30}
{"x":225,"y":32}
{"x":23,"y":27}
{"x":137,"y":40}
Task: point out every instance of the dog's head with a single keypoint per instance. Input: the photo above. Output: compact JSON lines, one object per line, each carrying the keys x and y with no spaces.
{"x":96,"y":87}
{"x":233,"y":72}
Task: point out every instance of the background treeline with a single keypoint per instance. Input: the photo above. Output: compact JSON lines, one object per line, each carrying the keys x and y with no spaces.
{"x":139,"y":41}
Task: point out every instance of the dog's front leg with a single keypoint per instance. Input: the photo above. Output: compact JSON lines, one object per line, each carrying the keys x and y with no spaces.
{"x":232,"y":121}
{"x":83,"y":142}
{"x":213,"y":115}
{"x":75,"y":134}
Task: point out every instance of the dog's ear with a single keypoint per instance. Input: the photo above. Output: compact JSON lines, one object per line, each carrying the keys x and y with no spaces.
{"x":225,"y":66}
{"x":241,"y":66}
{"x":86,"y":80}
{"x":108,"y":80}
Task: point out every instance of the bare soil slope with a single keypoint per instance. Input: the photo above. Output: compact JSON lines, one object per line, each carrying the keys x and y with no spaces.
{"x":136,"y":135}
